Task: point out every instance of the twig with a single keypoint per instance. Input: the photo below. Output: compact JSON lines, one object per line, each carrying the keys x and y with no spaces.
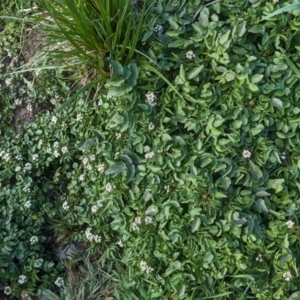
{"x":199,"y":10}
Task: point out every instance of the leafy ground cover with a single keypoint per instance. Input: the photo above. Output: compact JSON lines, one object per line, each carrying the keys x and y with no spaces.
{"x":176,"y":171}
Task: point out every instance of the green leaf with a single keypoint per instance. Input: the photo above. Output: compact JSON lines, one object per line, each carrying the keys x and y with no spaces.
{"x":195,"y":72}
{"x":147,"y":195}
{"x":136,"y":160}
{"x":119,"y":167}
{"x":276,"y":184}
{"x":152,"y":210}
{"x":224,"y":38}
{"x":119,"y":91}
{"x":88,"y":143}
{"x":195,"y":224}
{"x":277,"y":103}
{"x":173,"y":23}
{"x":134,"y":74}
{"x":295,"y":296}
{"x":282,"y":10}
{"x":257,"y":129}
{"x":262,"y":194}
{"x":250,"y":227}
{"x":117,"y":67}
{"x":257,"y":78}
{"x":255,"y":170}
{"x":241,"y":29}
{"x":262,"y":205}
{"x":130,"y":172}
{"x":257,"y":29}
{"x":99,"y":134}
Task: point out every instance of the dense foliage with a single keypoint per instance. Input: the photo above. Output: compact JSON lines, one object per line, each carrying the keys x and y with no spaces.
{"x":182,"y":168}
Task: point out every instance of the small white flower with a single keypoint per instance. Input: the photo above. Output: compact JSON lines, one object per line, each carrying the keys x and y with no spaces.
{"x":40,"y":143}
{"x":94,"y":208}
{"x":29,"y":107}
{"x":81,"y":177}
{"x":100,"y":102}
{"x":59,"y":282}
{"x":158,"y":29}
{"x":108,"y":97}
{"x":190,"y":55}
{"x":99,"y":204}
{"x":120,"y":243}
{"x":246,"y":153}
{"x":56,"y":144}
{"x":64,"y":149}
{"x":38,"y":263}
{"x":18,"y":102}
{"x":54,"y":119}
{"x":65,"y":205}
{"x":18,"y":157}
{"x":22,"y":279}
{"x":259,"y":258}
{"x":108,"y":187}
{"x":143,"y":265}
{"x":151,"y":126}
{"x":28,"y":166}
{"x":92,"y":157}
{"x":138,"y":220}
{"x":17,"y":169}
{"x":56,"y":153}
{"x":287,"y":275}
{"x":48,"y":150}
{"x":89,"y":236}
{"x":7,"y":290}
{"x":89,"y":167}
{"x":35,"y":157}
{"x":149,"y":269}
{"x":150,"y":98}
{"x":33,"y":240}
{"x":148,"y":220}
{"x":118,"y":135}
{"x":167,"y":188}
{"x":97,"y":238}
{"x":150,"y":155}
{"x":26,"y":189}
{"x":101,"y":168}
{"x":290,"y":224}
{"x":79,"y":117}
{"x":135,"y":227}
{"x":27,"y":204}
{"x":85,"y":160}
{"x":6,"y":157}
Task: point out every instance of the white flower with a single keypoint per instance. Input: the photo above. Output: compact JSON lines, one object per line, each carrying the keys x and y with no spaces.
{"x":54,"y":119}
{"x":29,"y":107}
{"x":56,"y":144}
{"x":89,"y":167}
{"x":143,"y":265}
{"x":48,"y":150}
{"x":138,"y":220}
{"x":259,"y":258}
{"x":7,"y":290}
{"x":100,"y":102}
{"x":22,"y":279}
{"x":94,"y":208}
{"x":151,"y":126}
{"x":108,"y":97}
{"x":27,"y":204}
{"x":56,"y":153}
{"x":35,"y":157}
{"x":17,"y":169}
{"x":287,"y":275}
{"x":108,"y":187}
{"x":97,"y":238}
{"x":79,"y":117}
{"x":120,"y":243}
{"x":99,"y":204}
{"x":150,"y":98}
{"x":65,"y":206}
{"x":101,"y":168}
{"x":18,"y":157}
{"x":85,"y":160}
{"x":167,"y":188}
{"x":26,"y":189}
{"x":135,"y":227}
{"x":59,"y":282}
{"x":81,"y":177}
{"x":118,"y":135}
{"x":6,"y":157}
{"x":88,"y":234}
{"x":246,"y":153}
{"x":149,"y":269}
{"x":64,"y":149}
{"x":290,"y":224}
{"x":33,"y":240}
{"x":28,"y":166}
{"x":18,"y":102}
{"x":40,"y":143}
{"x":149,"y":155}
{"x":148,"y":220}
{"x":158,"y":29}
{"x":190,"y":55}
{"x":38,"y":263}
{"x":92,"y":157}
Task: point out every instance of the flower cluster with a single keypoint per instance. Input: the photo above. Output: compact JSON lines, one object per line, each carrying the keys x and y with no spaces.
{"x":27,"y":204}
{"x":59,"y":282}
{"x":33,"y":240}
{"x":287,"y":275}
{"x":7,"y":290}
{"x":65,"y":205}
{"x":138,"y":222}
{"x":22,"y":279}
{"x":246,"y":154}
{"x":92,"y":237}
{"x":158,"y":29}
{"x":190,"y":55}
{"x":150,"y":99}
{"x":149,"y":155}
{"x":151,"y":126}
{"x":145,"y":268}
{"x":101,"y":168}
{"x":259,"y":258}
{"x":38,"y":263}
{"x":290,"y":224}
